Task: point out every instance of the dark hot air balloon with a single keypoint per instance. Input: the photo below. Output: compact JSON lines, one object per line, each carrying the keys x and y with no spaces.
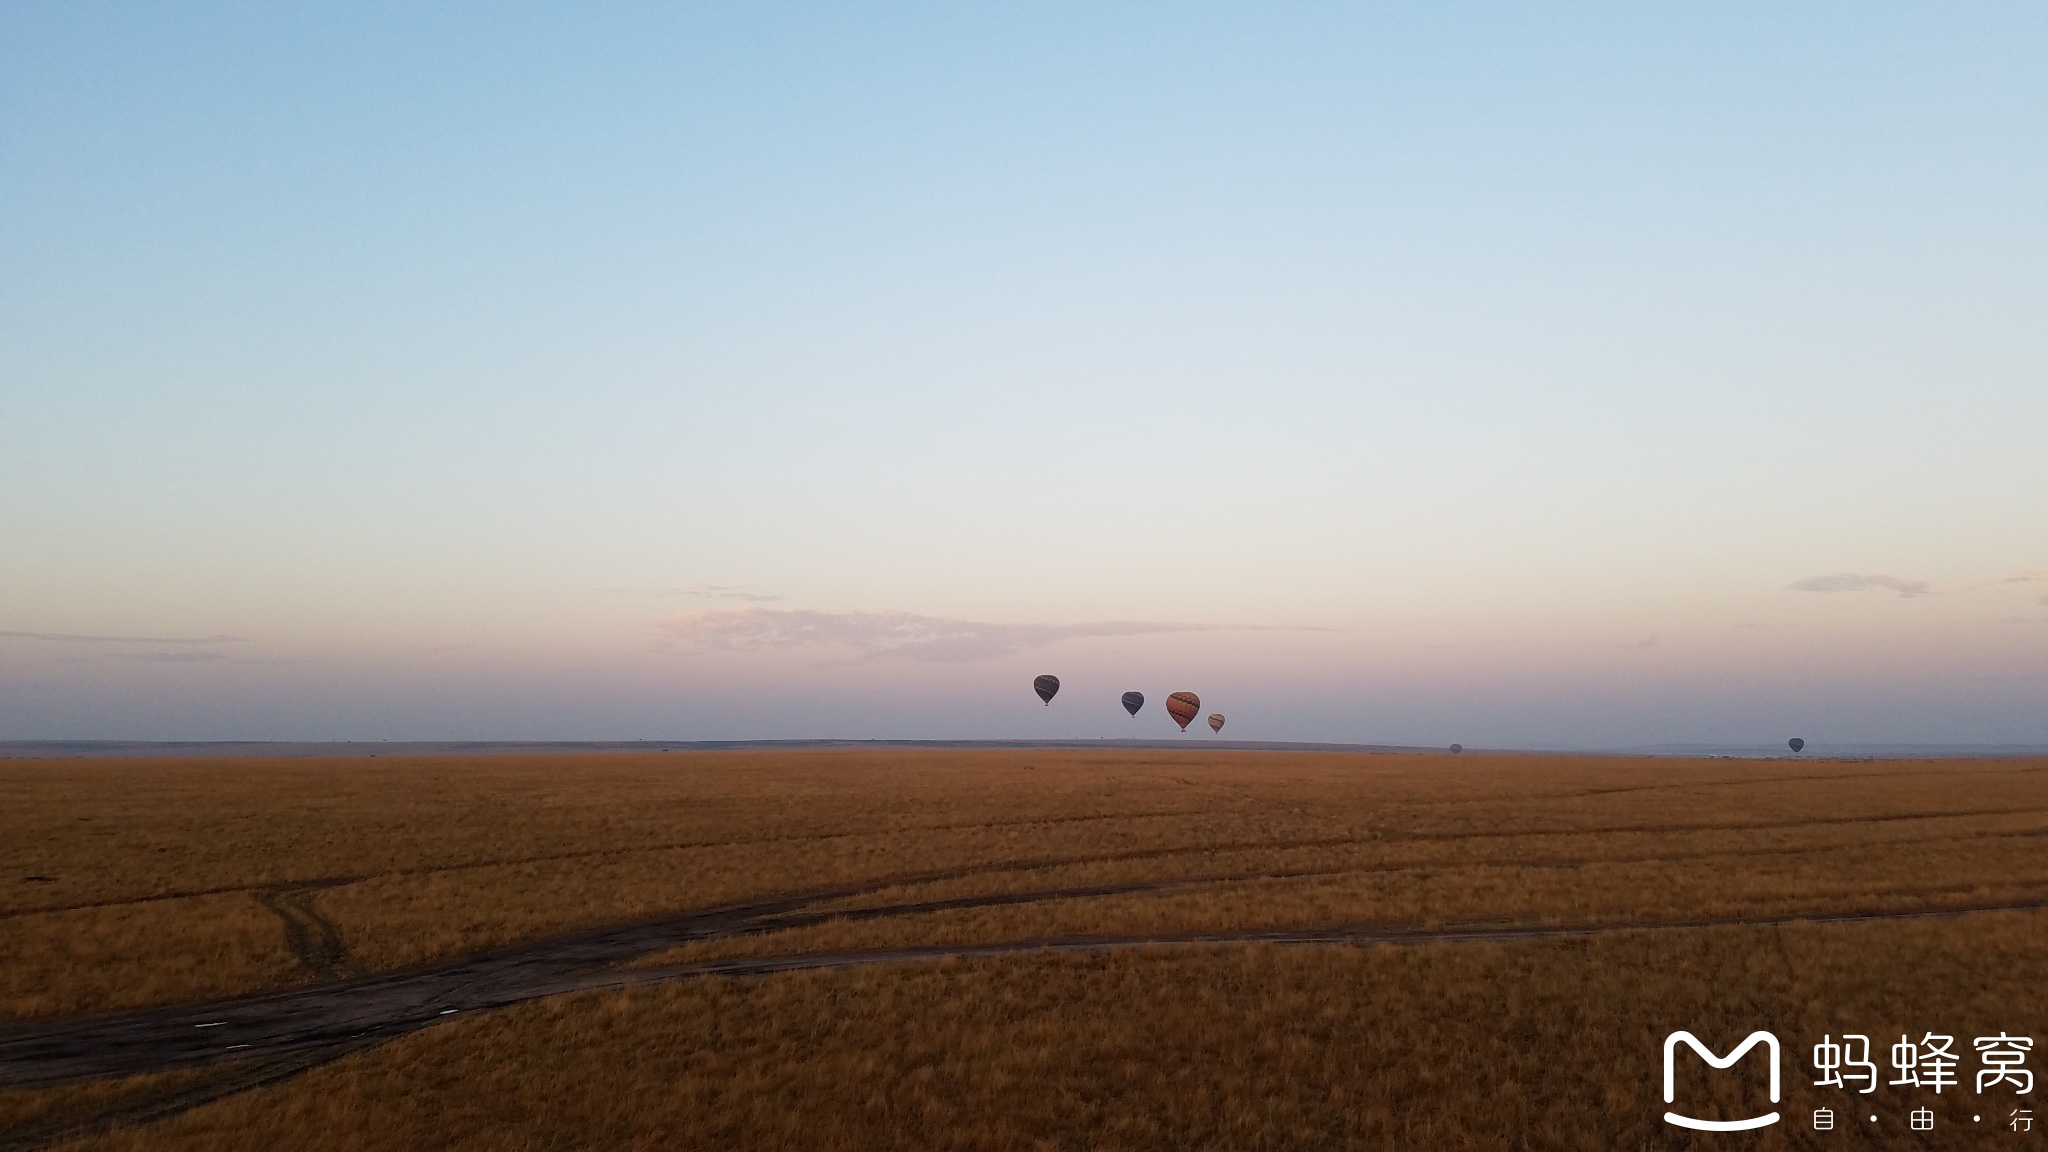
{"x":1795,"y":744}
{"x":1183,"y":707}
{"x":1046,"y":687}
{"x":1133,"y":701}
{"x":1457,"y":747}
{"x":1215,"y":721}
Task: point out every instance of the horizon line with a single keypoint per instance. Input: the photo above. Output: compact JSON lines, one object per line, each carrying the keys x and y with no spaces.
{"x":168,"y":749}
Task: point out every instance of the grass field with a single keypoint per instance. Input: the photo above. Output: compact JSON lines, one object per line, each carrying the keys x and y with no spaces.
{"x":159,"y":882}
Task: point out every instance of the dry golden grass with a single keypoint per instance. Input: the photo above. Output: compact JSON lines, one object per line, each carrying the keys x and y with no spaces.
{"x":1537,"y":1044}
{"x":1540,"y":1045}
{"x":127,"y":955}
{"x":1841,"y":880}
{"x":26,"y":1109}
{"x":1927,"y":841}
{"x":430,"y":857}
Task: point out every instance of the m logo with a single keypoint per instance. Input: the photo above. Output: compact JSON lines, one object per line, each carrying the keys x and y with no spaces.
{"x":1670,"y":1089}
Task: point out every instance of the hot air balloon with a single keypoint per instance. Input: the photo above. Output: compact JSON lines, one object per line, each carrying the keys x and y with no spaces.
{"x":1046,"y":687}
{"x":1795,"y":744}
{"x":1215,"y":721}
{"x":1133,"y":701}
{"x":1183,"y":707}
{"x":1457,"y":747}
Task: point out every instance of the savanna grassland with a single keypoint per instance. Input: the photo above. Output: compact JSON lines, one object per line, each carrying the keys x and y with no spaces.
{"x":1625,"y":898}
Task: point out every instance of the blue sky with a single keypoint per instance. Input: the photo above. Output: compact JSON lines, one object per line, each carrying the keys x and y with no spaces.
{"x":1575,"y":375}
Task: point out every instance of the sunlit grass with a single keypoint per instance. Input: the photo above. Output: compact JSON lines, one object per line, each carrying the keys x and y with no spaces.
{"x":1543,"y":1045}
{"x":432,"y":857}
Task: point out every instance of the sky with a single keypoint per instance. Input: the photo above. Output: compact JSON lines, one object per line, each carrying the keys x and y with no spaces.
{"x":1524,"y":376}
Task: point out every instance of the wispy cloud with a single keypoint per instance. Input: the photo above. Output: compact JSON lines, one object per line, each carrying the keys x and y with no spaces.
{"x":184,"y":657}
{"x":725,"y":592}
{"x":697,"y":591}
{"x":1851,"y":582}
{"x":79,"y":638}
{"x":2038,"y":576}
{"x":886,"y":635}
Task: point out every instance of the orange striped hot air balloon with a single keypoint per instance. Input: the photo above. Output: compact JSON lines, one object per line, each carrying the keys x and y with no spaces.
{"x":1183,"y":707}
{"x":1215,"y":721}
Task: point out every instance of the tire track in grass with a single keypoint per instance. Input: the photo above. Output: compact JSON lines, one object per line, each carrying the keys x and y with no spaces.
{"x":1374,"y":837}
{"x":289,"y":1033}
{"x":1433,"y":866}
{"x":580,"y":962}
{"x":579,"y":854}
{"x":312,"y":937}
{"x":1868,"y":777}
{"x":162,"y":1106}
{"x":59,"y":1051}
{"x":1655,"y":829}
{"x":1358,"y":936}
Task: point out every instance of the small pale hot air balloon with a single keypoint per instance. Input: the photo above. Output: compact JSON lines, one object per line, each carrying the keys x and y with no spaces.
{"x":1215,"y":721}
{"x":1046,"y":687}
{"x":1795,"y":744}
{"x":1133,"y":701}
{"x":1183,"y":707}
{"x":1457,"y":747}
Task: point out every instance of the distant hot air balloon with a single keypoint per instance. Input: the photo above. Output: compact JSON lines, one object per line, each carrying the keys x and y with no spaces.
{"x":1795,"y":744}
{"x":1183,"y":707}
{"x":1133,"y":701}
{"x":1046,"y":687}
{"x":1457,"y":747}
{"x":1215,"y":721}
